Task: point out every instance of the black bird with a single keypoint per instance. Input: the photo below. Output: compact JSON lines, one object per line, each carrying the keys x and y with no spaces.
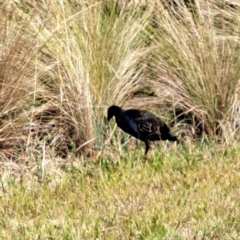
{"x":142,"y":125}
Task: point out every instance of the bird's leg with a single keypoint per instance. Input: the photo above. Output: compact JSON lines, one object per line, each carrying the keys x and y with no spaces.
{"x":147,"y":147}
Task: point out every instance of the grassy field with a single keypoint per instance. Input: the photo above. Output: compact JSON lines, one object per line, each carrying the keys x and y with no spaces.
{"x":65,"y":174}
{"x":179,"y":193}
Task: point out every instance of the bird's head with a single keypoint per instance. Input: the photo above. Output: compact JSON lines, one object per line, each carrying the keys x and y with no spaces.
{"x":113,"y":111}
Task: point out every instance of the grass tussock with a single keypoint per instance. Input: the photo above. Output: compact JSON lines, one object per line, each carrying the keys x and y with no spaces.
{"x":85,"y":54}
{"x":194,"y":65}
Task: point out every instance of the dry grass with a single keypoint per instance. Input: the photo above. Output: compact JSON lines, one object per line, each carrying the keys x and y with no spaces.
{"x":85,"y":54}
{"x":64,"y":62}
{"x":195,"y":66}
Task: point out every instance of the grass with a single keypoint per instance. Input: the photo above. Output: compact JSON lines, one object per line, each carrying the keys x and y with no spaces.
{"x":180,"y":193}
{"x":64,"y":174}
{"x":63,"y":63}
{"x":195,"y":47}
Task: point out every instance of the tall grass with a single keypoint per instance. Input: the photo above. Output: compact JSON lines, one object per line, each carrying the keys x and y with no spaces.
{"x":195,"y":65}
{"x":64,"y":62}
{"x":88,"y":55}
{"x":18,"y":51}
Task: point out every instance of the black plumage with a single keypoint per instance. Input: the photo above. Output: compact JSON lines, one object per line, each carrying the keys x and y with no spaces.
{"x":142,"y":125}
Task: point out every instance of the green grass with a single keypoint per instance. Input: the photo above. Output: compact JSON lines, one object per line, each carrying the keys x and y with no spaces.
{"x":179,"y":193}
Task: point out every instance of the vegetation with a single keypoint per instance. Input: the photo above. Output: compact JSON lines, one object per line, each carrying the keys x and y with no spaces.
{"x":64,"y":173}
{"x":179,"y":194}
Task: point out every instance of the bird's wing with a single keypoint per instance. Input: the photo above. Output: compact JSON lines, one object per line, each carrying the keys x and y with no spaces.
{"x":147,"y":125}
{"x":146,"y":122}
